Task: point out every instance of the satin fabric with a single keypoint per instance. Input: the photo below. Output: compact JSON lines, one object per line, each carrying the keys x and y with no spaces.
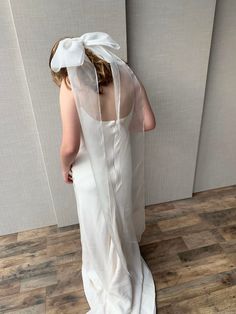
{"x":108,"y":288}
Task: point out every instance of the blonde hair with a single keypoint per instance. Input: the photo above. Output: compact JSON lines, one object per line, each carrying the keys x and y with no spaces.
{"x":103,"y":69}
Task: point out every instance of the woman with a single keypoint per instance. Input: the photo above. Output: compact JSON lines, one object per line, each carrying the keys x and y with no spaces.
{"x":104,"y":112}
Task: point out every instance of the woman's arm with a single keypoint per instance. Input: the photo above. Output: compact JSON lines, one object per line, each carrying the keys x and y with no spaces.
{"x":149,"y":117}
{"x":70,"y":131}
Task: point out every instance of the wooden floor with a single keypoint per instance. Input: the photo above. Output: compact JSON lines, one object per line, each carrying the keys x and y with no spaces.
{"x":190,"y":246}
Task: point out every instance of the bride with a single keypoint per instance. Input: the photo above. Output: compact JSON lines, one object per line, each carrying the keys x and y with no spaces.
{"x":105,"y":112}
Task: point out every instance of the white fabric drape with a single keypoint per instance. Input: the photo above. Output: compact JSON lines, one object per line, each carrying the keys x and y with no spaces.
{"x":120,"y":192}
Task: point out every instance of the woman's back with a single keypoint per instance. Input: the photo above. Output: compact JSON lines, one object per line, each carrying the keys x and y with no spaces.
{"x":128,"y":91}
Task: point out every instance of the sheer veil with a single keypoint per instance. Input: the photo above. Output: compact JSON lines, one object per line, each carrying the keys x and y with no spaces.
{"x":124,"y":216}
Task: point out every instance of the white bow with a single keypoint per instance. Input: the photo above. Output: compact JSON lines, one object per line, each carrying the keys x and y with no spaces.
{"x":70,"y":51}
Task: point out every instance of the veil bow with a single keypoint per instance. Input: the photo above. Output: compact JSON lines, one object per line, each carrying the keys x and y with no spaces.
{"x":70,"y":51}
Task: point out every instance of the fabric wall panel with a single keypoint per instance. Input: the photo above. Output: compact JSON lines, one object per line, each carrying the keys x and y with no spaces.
{"x":216,"y":166}
{"x":168,"y":46}
{"x":25,"y":200}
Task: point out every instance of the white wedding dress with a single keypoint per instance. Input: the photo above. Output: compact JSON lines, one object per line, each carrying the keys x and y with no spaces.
{"x":108,"y":289}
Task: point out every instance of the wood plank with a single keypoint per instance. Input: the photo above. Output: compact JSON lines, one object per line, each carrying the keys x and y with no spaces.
{"x":22,"y":300}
